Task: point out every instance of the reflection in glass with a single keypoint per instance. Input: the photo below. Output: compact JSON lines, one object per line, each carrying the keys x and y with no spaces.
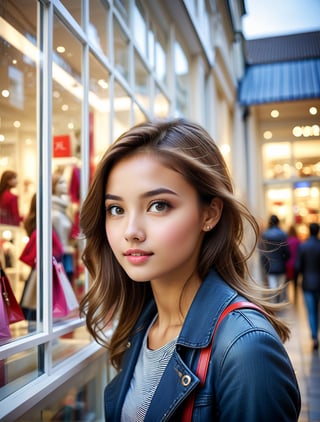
{"x":142,"y":83}
{"x":121,"y":50}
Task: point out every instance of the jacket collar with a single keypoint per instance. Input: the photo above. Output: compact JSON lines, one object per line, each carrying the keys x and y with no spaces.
{"x":212,"y":297}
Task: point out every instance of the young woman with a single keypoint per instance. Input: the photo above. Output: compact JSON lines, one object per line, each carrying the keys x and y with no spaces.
{"x":165,"y":253}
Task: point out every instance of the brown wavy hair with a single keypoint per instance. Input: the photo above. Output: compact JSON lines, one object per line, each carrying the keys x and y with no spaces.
{"x":187,"y":148}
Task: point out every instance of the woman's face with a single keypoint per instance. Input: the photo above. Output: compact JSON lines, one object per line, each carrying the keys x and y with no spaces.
{"x":154,"y":222}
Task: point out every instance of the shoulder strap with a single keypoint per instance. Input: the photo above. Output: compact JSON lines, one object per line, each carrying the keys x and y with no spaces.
{"x":205,"y":355}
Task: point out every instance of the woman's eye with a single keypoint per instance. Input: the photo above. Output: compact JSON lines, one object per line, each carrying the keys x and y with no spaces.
{"x":159,"y":206}
{"x":114,"y":210}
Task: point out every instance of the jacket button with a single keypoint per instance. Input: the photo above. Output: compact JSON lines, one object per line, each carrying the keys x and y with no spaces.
{"x":185,"y":380}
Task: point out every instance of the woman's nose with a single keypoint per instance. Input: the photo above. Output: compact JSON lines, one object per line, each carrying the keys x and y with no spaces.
{"x":134,"y":231}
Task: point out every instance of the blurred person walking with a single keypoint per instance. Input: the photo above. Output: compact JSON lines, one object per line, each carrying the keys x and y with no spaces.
{"x":291,"y":274}
{"x":275,"y":252}
{"x":308,"y":264}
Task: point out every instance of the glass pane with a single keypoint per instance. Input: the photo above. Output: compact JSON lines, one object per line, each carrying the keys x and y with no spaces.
{"x":121,"y":50}
{"x":66,"y":155}
{"x":142,"y":83}
{"x":122,"y":111}
{"x":161,"y":63}
{"x":74,"y":8}
{"x":161,"y":104}
{"x":69,"y":344}
{"x":99,"y":101}
{"x":17,"y":371}
{"x":140,"y":28}
{"x":279,"y":202}
{"x":277,"y":160}
{"x":139,"y":116}
{"x":123,"y":8}
{"x":306,"y":198}
{"x":77,"y":399}
{"x":307,"y":158}
{"x":18,"y":140}
{"x":98,"y":25}
{"x":182,"y":74}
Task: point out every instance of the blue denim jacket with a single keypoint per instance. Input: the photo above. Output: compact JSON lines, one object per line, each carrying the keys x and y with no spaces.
{"x":250,"y":377}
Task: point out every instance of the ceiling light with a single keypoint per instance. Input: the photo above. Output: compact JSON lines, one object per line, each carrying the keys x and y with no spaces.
{"x":274,"y":114}
{"x":267,"y":134}
{"x":61,"y":49}
{"x":313,"y":111}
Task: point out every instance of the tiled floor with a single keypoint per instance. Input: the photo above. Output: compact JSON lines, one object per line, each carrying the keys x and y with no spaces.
{"x":306,"y":361}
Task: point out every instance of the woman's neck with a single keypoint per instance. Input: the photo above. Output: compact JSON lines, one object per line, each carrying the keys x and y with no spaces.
{"x":173,"y":301}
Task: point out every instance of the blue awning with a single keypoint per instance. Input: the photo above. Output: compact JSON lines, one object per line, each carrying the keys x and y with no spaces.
{"x":282,"y":81}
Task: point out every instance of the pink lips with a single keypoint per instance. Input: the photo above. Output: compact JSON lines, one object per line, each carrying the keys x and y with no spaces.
{"x":137,"y":256}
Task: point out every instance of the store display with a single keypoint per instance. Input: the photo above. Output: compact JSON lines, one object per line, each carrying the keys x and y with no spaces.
{"x":13,"y":309}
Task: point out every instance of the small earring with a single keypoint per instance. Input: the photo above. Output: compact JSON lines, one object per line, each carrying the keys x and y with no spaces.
{"x":208,"y":228}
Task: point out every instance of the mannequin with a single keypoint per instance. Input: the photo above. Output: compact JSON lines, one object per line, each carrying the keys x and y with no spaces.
{"x":9,"y":210}
{"x":61,"y":222}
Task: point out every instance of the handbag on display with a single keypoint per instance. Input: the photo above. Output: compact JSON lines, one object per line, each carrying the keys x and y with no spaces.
{"x":28,"y":300}
{"x":4,"y":320}
{"x":12,"y":307}
{"x":64,"y":300}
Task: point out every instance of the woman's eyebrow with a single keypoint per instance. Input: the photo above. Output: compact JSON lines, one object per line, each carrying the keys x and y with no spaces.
{"x":147,"y":194}
{"x":159,"y":191}
{"x":112,"y":197}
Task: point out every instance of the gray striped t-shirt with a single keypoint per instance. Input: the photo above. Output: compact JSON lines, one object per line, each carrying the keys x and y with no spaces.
{"x":147,"y":374}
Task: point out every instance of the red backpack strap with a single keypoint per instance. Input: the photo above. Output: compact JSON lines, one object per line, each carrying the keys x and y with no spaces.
{"x":205,"y":355}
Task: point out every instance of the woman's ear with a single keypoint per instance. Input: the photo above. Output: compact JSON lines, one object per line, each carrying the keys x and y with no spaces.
{"x":212,"y":214}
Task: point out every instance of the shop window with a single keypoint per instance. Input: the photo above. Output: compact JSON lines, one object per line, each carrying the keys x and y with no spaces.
{"x":142,"y":82}
{"x":74,"y":7}
{"x":306,"y":199}
{"x":99,"y":103}
{"x":67,"y":97}
{"x":140,"y":28}
{"x":18,"y":144}
{"x":122,"y":111}
{"x":161,"y":62}
{"x":277,"y":160}
{"x":18,"y":370}
{"x":98,"y":25}
{"x":181,"y":67}
{"x":279,"y":202}
{"x":120,"y":50}
{"x":306,"y":158}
